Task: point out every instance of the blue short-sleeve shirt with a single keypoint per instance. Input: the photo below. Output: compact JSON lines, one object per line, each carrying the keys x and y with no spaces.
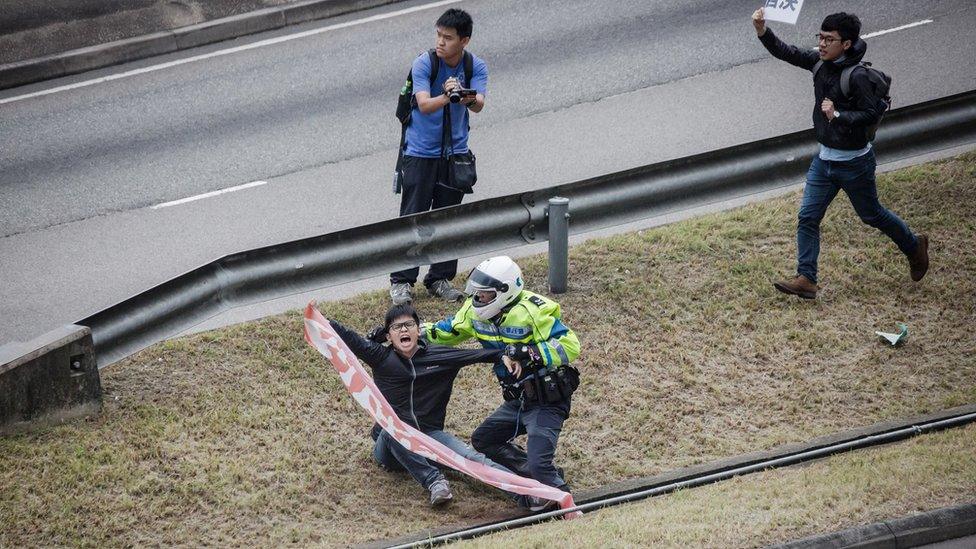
{"x":425,"y":130}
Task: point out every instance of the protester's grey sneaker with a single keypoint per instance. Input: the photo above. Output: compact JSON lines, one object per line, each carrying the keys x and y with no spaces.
{"x":440,"y":493}
{"x":401,"y":292}
{"x":443,"y":289}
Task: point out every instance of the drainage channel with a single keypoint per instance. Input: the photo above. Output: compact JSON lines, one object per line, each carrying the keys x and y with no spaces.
{"x":867,"y":441}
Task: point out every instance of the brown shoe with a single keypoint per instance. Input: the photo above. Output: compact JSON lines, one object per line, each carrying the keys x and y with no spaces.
{"x":918,"y":262}
{"x":798,"y":285}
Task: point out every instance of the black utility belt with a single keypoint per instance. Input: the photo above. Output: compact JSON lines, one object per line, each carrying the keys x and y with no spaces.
{"x":550,"y":385}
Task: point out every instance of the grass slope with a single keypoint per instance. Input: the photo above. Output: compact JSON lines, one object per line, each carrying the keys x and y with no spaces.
{"x":246,"y":436}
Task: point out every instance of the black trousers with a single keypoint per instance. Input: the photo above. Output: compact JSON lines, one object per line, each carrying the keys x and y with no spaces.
{"x":421,"y":192}
{"x":541,"y":422}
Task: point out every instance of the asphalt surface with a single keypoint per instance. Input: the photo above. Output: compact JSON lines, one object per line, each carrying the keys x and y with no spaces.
{"x":576,"y":89}
{"x":35,"y":28}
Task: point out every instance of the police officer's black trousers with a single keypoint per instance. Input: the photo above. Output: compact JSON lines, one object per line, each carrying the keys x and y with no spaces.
{"x":421,"y":192}
{"x":542,"y":424}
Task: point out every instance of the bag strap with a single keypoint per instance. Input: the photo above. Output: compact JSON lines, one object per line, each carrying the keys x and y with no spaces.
{"x":468,"y":61}
{"x":447,"y":130}
{"x":845,"y":75}
{"x":435,"y":65}
{"x":403,"y":144}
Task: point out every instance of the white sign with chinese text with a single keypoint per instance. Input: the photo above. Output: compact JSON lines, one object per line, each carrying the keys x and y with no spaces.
{"x":785,"y":11}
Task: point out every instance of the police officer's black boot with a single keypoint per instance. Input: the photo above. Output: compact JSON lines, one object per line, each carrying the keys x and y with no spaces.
{"x":511,"y":456}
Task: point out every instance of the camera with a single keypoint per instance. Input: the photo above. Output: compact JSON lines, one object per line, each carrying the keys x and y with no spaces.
{"x":456,"y":94}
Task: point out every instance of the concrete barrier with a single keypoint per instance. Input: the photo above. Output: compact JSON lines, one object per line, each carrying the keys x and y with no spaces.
{"x":48,"y":380}
{"x":936,"y":526}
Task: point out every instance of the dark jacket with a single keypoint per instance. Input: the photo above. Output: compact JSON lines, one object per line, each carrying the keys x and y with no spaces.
{"x":858,"y":112}
{"x":417,"y":388}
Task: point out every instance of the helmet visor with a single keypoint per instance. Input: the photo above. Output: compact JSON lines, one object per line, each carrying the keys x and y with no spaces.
{"x":478,"y":279}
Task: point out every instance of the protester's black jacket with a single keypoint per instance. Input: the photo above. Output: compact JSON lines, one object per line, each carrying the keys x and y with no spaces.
{"x":862,"y":110}
{"x":417,"y":388}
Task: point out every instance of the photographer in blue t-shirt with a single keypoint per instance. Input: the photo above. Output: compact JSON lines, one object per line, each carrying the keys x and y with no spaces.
{"x":423,"y":169}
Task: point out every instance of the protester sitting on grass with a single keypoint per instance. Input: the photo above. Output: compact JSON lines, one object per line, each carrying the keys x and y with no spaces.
{"x":417,"y":379}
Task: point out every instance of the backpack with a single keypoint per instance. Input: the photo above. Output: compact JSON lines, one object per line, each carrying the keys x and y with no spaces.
{"x":880,"y":86}
{"x":406,"y":102}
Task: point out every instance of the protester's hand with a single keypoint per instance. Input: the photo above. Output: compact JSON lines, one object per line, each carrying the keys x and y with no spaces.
{"x":828,"y":109}
{"x":450,"y":84}
{"x":513,"y":366}
{"x":377,"y":334}
{"x":759,"y":21}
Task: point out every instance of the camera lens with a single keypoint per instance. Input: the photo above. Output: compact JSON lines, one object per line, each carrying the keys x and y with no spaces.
{"x":454,"y":96}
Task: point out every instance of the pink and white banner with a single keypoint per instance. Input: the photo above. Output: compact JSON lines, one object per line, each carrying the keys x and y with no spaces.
{"x":319,"y":334}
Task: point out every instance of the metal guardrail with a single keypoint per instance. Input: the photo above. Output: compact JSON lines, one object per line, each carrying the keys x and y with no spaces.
{"x":496,"y":223}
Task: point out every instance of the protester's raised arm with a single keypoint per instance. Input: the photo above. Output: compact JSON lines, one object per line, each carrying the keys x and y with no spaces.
{"x":759,"y":22}
{"x":367,"y":351}
{"x":793,"y":55}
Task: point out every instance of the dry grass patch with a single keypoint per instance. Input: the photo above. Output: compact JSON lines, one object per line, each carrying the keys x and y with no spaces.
{"x":245,"y":435}
{"x":844,"y":491}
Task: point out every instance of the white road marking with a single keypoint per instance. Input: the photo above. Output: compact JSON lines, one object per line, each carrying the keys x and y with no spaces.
{"x":903,"y":27}
{"x":228,"y":51}
{"x":896,"y":29}
{"x":208,"y":195}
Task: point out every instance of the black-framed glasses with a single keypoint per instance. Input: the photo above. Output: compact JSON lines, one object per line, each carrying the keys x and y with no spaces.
{"x":826,"y":39}
{"x":399,"y":326}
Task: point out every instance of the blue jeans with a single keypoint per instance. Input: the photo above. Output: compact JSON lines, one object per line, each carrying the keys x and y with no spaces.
{"x":542,"y":424}
{"x":391,"y":455}
{"x":856,"y":178}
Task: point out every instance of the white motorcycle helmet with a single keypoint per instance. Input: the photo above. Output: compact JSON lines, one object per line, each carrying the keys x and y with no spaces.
{"x":499,"y":275}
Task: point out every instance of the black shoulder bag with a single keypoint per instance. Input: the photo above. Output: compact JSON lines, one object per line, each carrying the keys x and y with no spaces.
{"x":461,"y":174}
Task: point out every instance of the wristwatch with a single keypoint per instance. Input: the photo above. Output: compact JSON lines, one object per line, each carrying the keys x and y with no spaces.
{"x":836,"y":114}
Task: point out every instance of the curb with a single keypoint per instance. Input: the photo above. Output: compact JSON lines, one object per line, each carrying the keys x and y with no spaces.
{"x":130,"y":49}
{"x":636,"y":485}
{"x":644,"y":483}
{"x":932,"y":527}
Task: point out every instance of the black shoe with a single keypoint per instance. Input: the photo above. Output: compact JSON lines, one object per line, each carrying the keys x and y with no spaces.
{"x":540,"y":505}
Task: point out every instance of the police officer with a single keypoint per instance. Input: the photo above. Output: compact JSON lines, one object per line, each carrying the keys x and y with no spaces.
{"x":535,"y":373}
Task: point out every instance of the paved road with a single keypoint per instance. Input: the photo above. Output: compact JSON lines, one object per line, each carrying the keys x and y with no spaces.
{"x":577,"y":88}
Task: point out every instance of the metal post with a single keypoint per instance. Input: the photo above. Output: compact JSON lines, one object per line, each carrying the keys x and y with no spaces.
{"x":558,"y":244}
